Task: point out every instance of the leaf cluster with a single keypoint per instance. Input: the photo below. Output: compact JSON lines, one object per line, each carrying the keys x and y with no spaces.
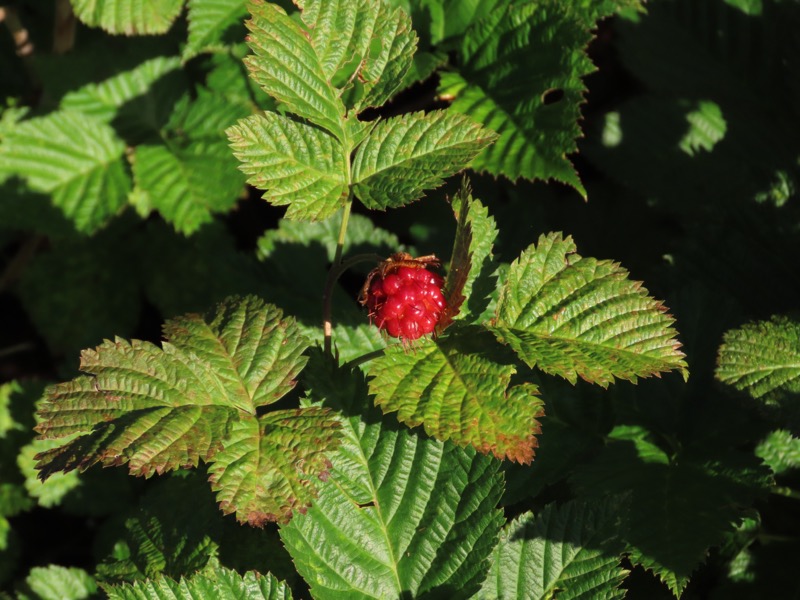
{"x":539,"y":445}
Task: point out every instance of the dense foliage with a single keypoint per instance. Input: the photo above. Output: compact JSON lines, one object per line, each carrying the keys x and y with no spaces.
{"x":192,"y":195}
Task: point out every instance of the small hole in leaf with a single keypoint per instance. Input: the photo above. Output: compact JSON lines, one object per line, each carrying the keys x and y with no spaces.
{"x":366,"y":504}
{"x":552,"y":96}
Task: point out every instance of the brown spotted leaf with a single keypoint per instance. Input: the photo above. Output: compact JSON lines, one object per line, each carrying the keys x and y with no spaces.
{"x":159,"y":409}
{"x":458,"y":391}
{"x":264,"y":473}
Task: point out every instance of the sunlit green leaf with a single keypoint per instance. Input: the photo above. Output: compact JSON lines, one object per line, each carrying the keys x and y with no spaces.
{"x":582,"y":317}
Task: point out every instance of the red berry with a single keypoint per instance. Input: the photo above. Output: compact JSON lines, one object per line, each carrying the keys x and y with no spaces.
{"x":404,"y":299}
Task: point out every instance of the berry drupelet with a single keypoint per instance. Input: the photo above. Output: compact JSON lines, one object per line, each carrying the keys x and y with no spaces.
{"x":404,"y":298}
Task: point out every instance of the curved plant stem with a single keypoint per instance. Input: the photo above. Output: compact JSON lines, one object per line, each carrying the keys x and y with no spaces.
{"x":327,"y":297}
{"x":337,"y":268}
{"x":365,"y":358}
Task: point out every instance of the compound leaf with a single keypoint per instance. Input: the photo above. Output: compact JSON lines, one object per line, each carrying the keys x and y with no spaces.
{"x":521,"y":77}
{"x":158,"y":409}
{"x":296,"y":164}
{"x":762,"y":359}
{"x":217,"y":582}
{"x":581,"y":317}
{"x":405,"y":515}
{"x":209,"y":20}
{"x":458,"y":391}
{"x":129,"y":17}
{"x":403,"y":156}
{"x":60,"y":583}
{"x":77,"y":159}
{"x":365,"y":47}
{"x":286,"y":65}
{"x":250,"y":473}
{"x":565,"y":552}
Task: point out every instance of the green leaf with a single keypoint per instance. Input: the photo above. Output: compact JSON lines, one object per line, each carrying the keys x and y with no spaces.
{"x":218,"y":583}
{"x":362,"y":237}
{"x":454,"y":17}
{"x":129,"y":17}
{"x":77,"y":159}
{"x":365,"y":47}
{"x":157,"y":539}
{"x":185,"y":185}
{"x":458,"y":390}
{"x":681,"y":501}
{"x":286,"y":65}
{"x":250,"y":473}
{"x":564,"y":552}
{"x":192,"y":174}
{"x":104,"y":100}
{"x":521,"y":77}
{"x":762,"y":359}
{"x":209,"y":21}
{"x":159,"y":409}
{"x":780,"y":450}
{"x":295,"y":164}
{"x":99,"y":301}
{"x":190,"y":274}
{"x":60,"y":583}
{"x":403,"y":156}
{"x":48,"y":493}
{"x":404,"y":516}
{"x":591,"y":11}
{"x":581,"y":317}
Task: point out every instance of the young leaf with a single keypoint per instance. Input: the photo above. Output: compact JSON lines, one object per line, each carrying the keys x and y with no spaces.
{"x":364,"y":46}
{"x":762,"y":359}
{"x":296,"y":164}
{"x":79,"y":160}
{"x":459,"y":391}
{"x":286,"y":65}
{"x":217,"y":582}
{"x":565,"y":552}
{"x":521,"y":77}
{"x":403,"y":156}
{"x":405,"y":515}
{"x":581,"y":317}
{"x":158,"y":409}
{"x":129,"y":17}
{"x":209,"y":20}
{"x":471,"y":260}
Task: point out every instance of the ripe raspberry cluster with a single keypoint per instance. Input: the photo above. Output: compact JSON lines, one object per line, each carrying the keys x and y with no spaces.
{"x":405,"y":301}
